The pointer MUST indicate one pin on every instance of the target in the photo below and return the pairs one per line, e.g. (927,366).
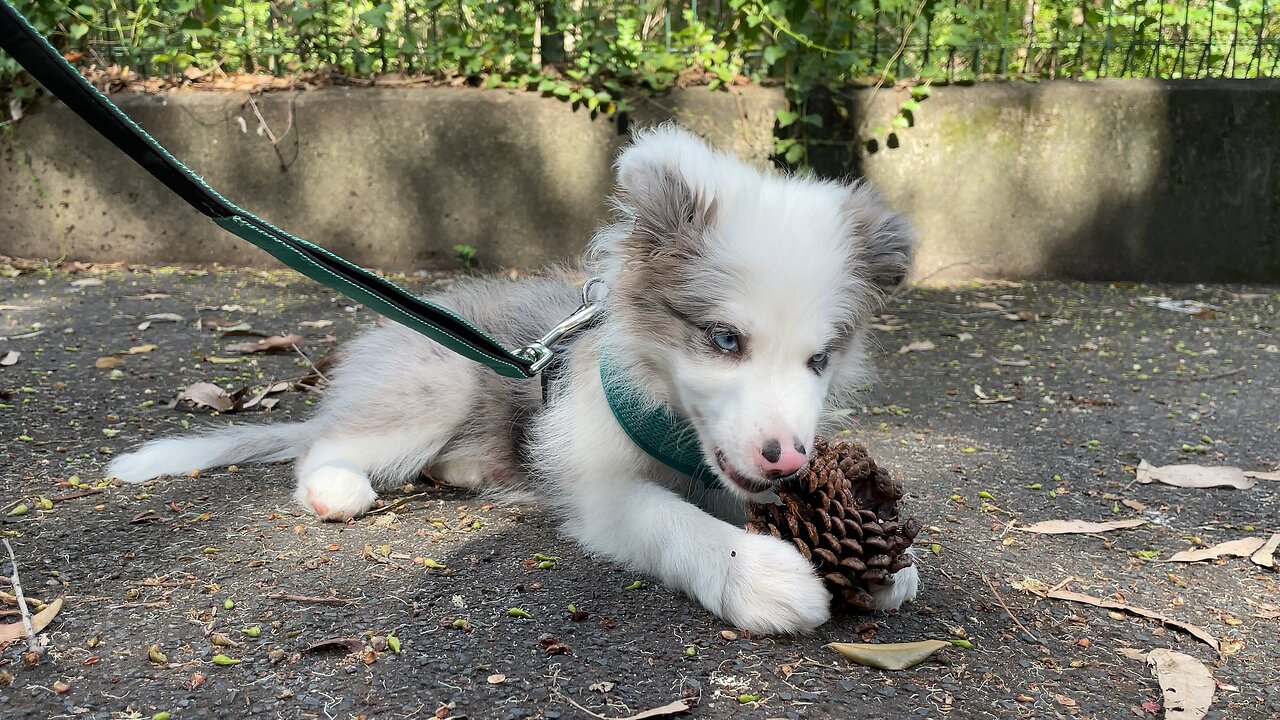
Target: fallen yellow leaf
(889,656)
(39,621)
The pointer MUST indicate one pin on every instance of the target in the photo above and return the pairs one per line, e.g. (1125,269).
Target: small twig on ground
(396,504)
(75,495)
(329,600)
(1008,611)
(574,703)
(995,593)
(1215,376)
(32,644)
(311,364)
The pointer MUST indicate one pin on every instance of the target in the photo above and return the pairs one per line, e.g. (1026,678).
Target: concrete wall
(387,178)
(1127,179)
(1115,179)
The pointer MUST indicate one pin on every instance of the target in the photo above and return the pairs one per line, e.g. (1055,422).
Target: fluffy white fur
(702,243)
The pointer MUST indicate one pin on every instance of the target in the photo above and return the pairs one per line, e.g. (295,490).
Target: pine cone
(843,515)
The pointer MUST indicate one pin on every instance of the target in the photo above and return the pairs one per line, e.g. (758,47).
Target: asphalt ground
(1026,402)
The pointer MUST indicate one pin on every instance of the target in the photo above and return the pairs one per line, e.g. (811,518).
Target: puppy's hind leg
(337,476)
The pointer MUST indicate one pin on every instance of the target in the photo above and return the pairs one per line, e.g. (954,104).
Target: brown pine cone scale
(843,515)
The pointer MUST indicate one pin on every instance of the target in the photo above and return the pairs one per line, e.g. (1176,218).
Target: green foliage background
(593,53)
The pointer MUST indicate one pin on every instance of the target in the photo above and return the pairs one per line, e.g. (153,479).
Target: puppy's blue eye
(725,340)
(818,362)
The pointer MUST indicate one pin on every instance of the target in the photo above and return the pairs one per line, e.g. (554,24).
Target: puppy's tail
(238,444)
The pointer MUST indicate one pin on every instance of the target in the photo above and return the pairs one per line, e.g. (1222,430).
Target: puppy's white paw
(906,584)
(335,493)
(771,588)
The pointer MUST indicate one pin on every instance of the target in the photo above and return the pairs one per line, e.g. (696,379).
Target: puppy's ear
(883,241)
(658,180)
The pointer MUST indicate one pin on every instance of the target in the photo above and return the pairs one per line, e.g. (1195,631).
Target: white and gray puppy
(737,297)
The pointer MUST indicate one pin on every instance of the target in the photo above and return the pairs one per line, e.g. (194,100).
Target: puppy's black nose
(772,451)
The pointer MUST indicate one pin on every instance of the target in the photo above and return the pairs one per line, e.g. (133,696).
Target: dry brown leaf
(1133,653)
(990,306)
(86,282)
(1266,611)
(148,296)
(676,708)
(1256,475)
(1134,505)
(1074,527)
(315,323)
(985,399)
(497,679)
(1186,683)
(1012,363)
(206,395)
(275,343)
(139,349)
(106,363)
(889,656)
(1243,547)
(213,323)
(39,621)
(1194,630)
(166,317)
(10,358)
(917,346)
(1195,476)
(1265,554)
(261,397)
(1250,297)
(350,644)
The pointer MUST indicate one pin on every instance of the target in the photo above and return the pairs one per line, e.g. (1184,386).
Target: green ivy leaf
(377,17)
(787,117)
(78,30)
(774,53)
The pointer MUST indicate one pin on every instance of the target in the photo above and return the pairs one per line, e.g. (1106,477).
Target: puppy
(735,298)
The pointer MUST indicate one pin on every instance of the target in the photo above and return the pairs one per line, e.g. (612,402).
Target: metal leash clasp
(539,353)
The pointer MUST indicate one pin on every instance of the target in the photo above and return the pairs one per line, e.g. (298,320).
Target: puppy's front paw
(772,589)
(906,584)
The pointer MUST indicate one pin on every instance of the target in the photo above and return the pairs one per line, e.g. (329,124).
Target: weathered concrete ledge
(1121,179)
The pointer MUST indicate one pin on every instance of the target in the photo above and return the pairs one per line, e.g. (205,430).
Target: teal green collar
(661,433)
